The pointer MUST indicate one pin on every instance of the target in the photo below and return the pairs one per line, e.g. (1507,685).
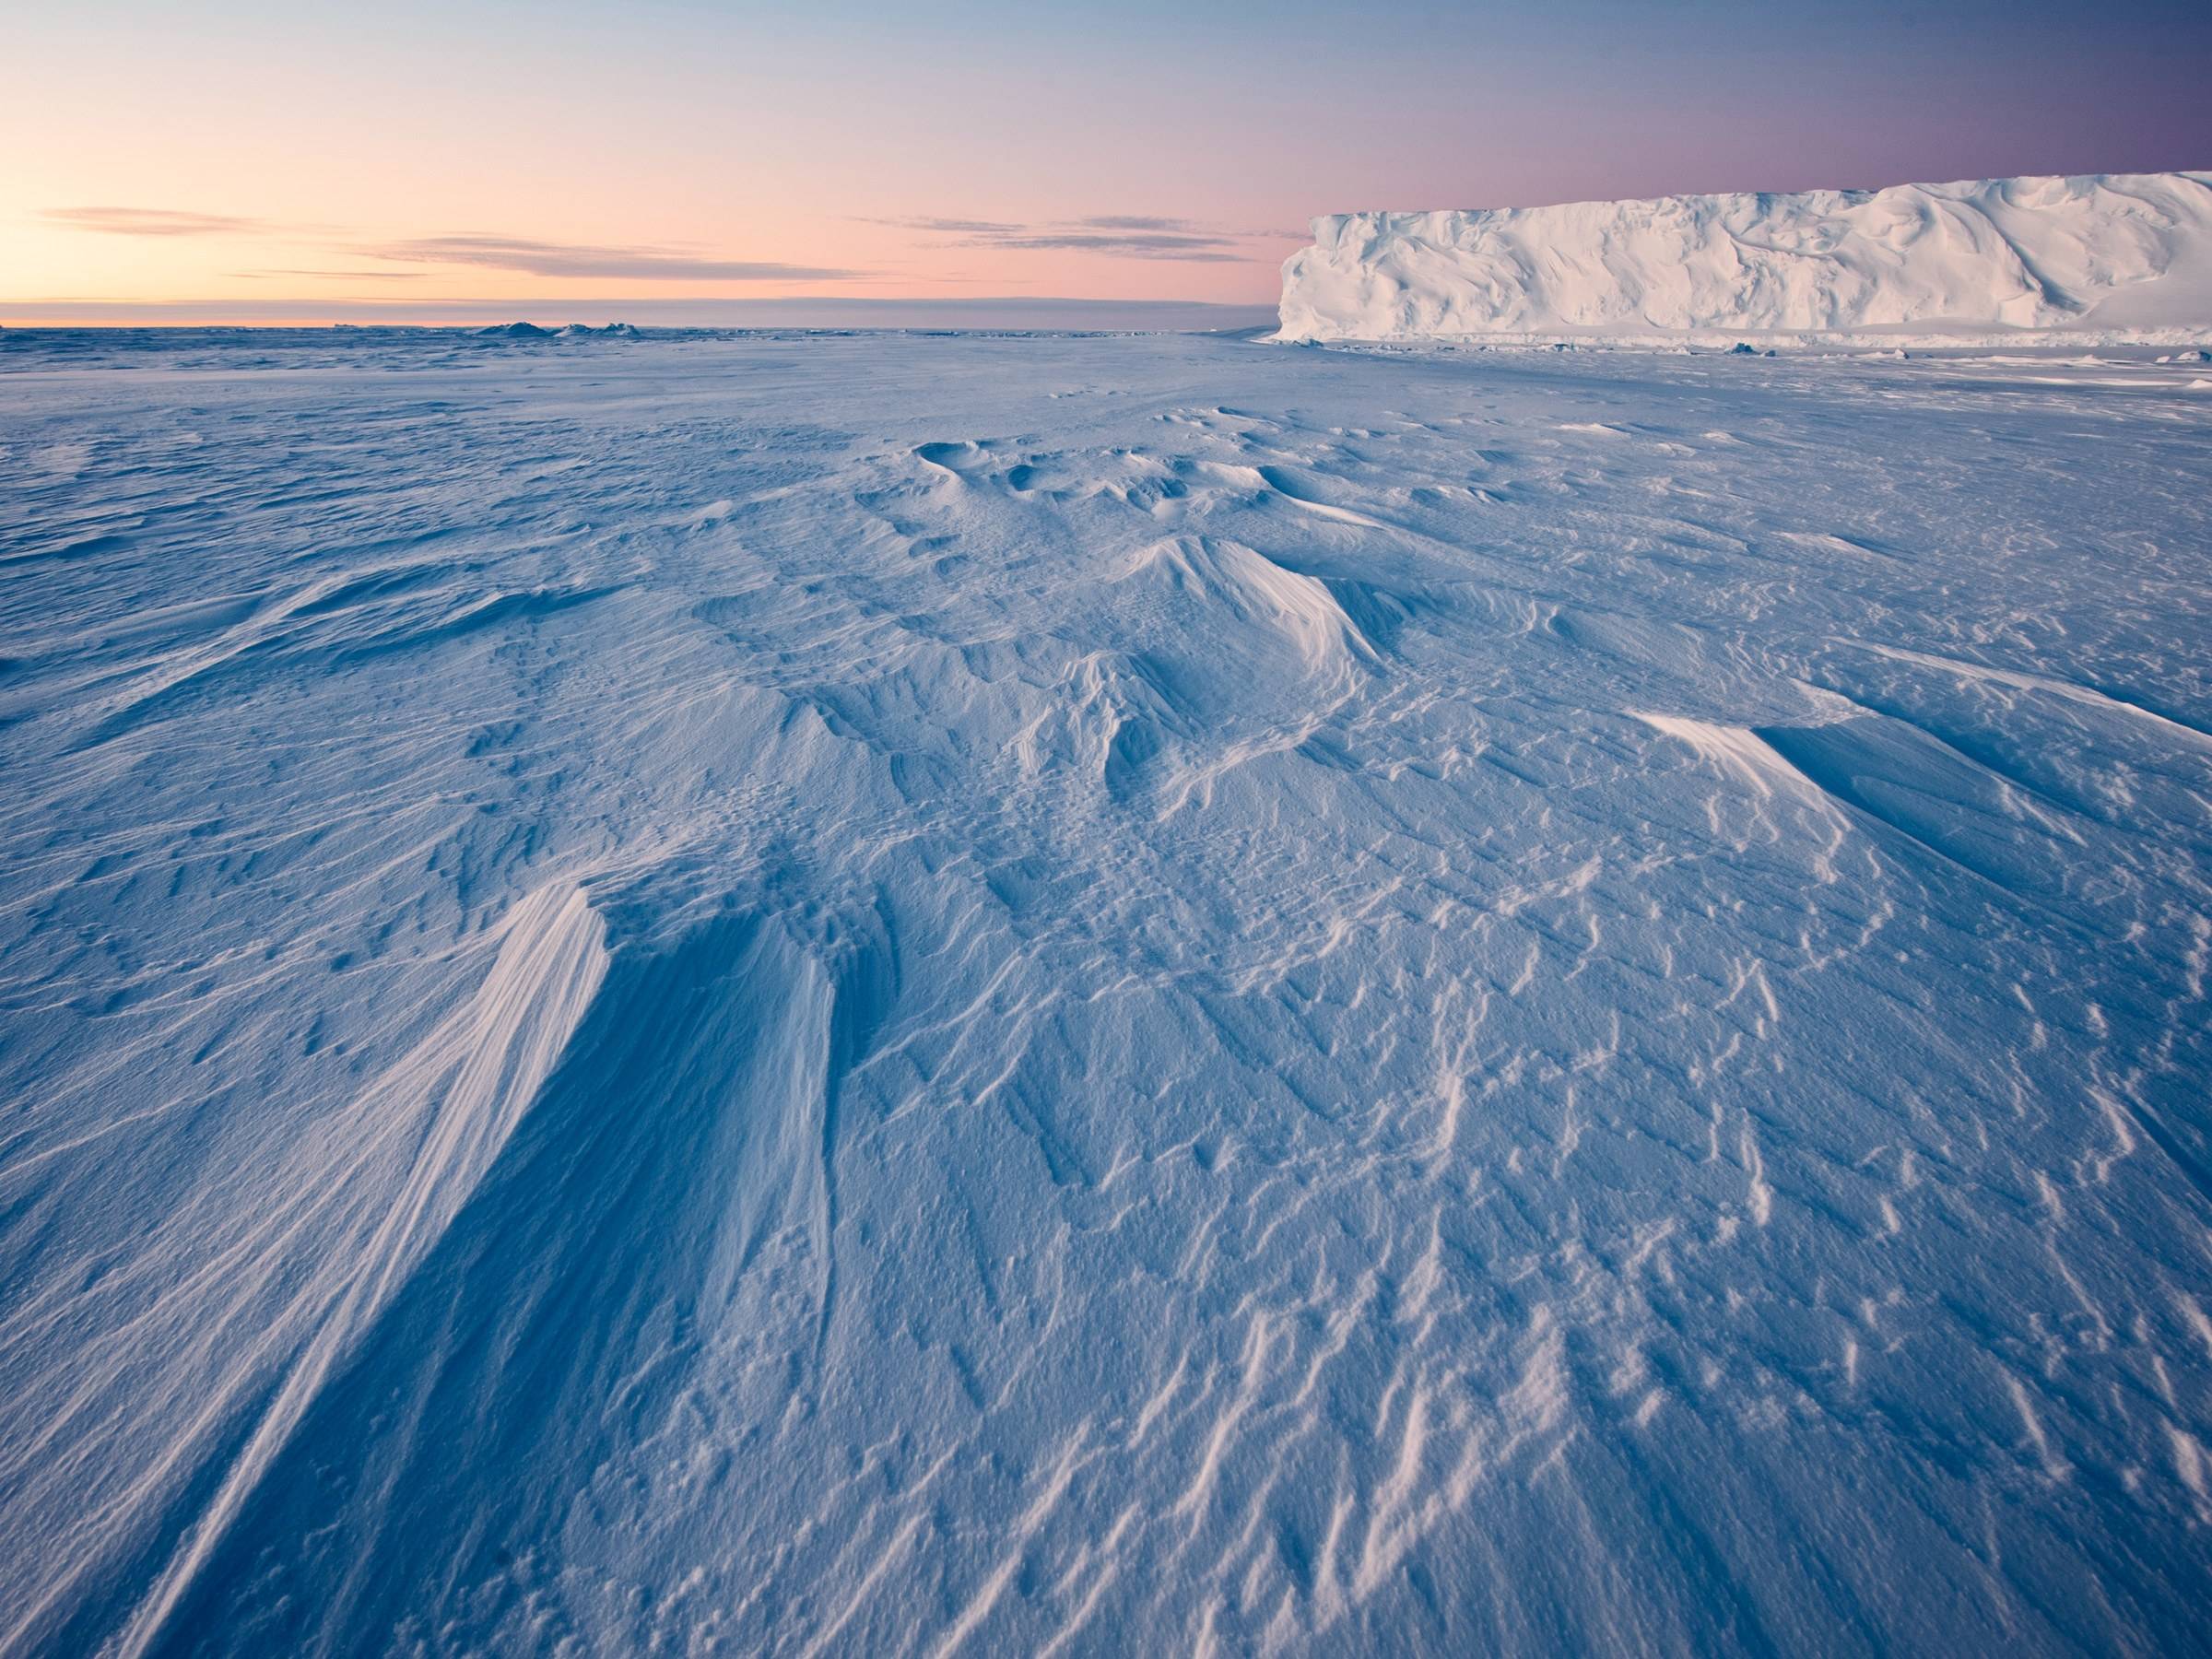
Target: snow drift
(2122,253)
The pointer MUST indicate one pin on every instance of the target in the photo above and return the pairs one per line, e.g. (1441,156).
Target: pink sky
(479,153)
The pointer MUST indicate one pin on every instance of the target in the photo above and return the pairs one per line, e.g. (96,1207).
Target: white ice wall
(2107,252)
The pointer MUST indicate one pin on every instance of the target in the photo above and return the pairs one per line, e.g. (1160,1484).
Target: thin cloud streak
(528,256)
(1137,221)
(350,275)
(567,259)
(153,221)
(948,226)
(1205,249)
(1115,235)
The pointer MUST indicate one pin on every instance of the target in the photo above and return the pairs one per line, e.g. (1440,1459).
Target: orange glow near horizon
(343,162)
(267,263)
(265,162)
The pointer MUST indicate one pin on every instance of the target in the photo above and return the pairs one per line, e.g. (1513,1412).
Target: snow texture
(2120,256)
(895,994)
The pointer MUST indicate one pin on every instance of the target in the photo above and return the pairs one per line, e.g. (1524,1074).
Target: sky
(675,161)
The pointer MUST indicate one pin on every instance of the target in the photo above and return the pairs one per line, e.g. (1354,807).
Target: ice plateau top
(2117,255)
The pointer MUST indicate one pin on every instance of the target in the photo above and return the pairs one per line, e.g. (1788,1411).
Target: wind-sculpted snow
(896,994)
(2117,255)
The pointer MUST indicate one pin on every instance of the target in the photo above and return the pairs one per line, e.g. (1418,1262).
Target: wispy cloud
(1117,235)
(573,259)
(1134,221)
(529,255)
(1138,221)
(350,275)
(949,226)
(154,222)
(1125,244)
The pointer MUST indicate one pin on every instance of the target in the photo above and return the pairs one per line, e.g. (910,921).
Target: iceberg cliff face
(2109,252)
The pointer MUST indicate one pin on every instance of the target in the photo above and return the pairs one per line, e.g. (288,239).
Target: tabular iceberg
(2118,253)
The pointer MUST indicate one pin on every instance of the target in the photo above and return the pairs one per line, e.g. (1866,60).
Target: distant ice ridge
(2116,254)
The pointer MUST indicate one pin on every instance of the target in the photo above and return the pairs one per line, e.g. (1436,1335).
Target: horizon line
(657,312)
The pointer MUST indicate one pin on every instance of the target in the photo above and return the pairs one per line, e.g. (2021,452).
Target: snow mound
(2120,252)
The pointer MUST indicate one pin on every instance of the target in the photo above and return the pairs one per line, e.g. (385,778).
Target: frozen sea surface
(1140,994)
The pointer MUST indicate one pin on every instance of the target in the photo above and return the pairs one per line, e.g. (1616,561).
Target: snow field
(846,995)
